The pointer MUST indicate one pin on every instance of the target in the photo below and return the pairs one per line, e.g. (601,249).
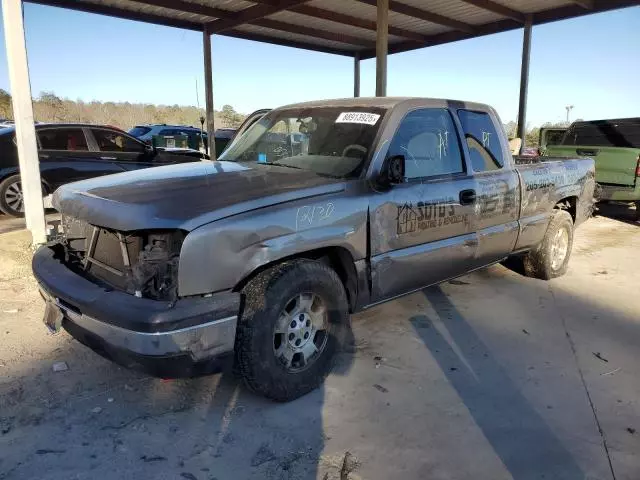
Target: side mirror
(149,149)
(392,172)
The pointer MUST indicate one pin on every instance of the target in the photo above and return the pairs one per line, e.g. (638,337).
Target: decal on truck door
(424,215)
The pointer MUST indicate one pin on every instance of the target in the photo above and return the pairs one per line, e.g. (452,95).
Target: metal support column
(23,116)
(208,92)
(524,82)
(356,75)
(382,44)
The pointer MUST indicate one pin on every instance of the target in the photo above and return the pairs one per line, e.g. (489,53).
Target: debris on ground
(96,410)
(349,464)
(188,476)
(13,310)
(611,372)
(263,455)
(154,458)
(5,426)
(524,330)
(453,369)
(60,367)
(631,430)
(339,467)
(378,359)
(110,399)
(602,272)
(599,356)
(128,387)
(46,451)
(380,387)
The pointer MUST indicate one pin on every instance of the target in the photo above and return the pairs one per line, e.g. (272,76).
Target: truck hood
(186,196)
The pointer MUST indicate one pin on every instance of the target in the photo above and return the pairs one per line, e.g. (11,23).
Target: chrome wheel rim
(13,197)
(300,334)
(559,248)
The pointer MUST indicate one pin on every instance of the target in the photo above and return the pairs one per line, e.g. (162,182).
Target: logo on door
(407,219)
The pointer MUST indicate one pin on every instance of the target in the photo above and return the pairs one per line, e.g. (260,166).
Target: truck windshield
(332,141)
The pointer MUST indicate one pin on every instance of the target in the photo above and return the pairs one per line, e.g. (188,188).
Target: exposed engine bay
(142,263)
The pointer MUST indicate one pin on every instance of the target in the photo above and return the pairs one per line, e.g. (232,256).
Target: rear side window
(482,140)
(139,131)
(111,141)
(167,131)
(70,139)
(625,134)
(427,139)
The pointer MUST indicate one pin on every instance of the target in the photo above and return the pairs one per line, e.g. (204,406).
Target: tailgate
(614,165)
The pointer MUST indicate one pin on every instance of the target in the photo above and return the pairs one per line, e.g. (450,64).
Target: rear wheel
(550,259)
(290,329)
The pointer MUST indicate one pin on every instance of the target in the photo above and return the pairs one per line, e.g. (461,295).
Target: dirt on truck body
(318,210)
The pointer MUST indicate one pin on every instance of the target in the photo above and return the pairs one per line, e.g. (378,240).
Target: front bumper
(192,330)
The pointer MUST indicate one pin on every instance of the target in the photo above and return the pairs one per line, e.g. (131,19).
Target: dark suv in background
(70,152)
(148,133)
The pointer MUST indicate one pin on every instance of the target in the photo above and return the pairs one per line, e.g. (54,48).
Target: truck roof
(390,102)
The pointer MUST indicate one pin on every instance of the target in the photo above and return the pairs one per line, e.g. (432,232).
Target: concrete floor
(492,376)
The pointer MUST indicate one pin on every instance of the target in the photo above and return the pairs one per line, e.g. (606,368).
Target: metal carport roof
(344,27)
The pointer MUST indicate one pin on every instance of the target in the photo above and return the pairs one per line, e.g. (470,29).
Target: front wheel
(290,328)
(11,198)
(550,259)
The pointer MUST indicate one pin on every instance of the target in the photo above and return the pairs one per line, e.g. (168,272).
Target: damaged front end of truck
(142,263)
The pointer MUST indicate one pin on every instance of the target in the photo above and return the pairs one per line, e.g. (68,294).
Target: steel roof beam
(121,13)
(188,7)
(498,8)
(414,12)
(250,14)
(312,32)
(588,4)
(344,19)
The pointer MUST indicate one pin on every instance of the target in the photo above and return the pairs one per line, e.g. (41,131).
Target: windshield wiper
(279,165)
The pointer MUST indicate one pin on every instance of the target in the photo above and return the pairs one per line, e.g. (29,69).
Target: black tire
(265,298)
(541,262)
(637,212)
(7,187)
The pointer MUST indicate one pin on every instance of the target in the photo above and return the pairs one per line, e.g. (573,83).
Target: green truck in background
(614,145)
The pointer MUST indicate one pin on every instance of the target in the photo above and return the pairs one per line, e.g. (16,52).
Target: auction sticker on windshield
(358,117)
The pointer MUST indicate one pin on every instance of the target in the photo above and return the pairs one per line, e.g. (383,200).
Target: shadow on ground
(517,433)
(621,212)
(98,420)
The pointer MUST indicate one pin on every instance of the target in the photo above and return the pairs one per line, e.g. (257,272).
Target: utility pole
(569,108)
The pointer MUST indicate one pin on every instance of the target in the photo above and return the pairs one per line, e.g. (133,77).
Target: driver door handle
(467,197)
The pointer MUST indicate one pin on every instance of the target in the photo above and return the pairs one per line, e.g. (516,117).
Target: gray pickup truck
(317,211)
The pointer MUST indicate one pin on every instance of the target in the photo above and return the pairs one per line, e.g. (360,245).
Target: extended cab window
(604,133)
(482,140)
(110,141)
(71,139)
(427,139)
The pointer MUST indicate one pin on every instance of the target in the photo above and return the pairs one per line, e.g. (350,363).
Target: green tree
(5,105)
(228,115)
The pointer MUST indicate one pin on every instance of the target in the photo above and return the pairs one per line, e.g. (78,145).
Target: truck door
(496,183)
(421,230)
